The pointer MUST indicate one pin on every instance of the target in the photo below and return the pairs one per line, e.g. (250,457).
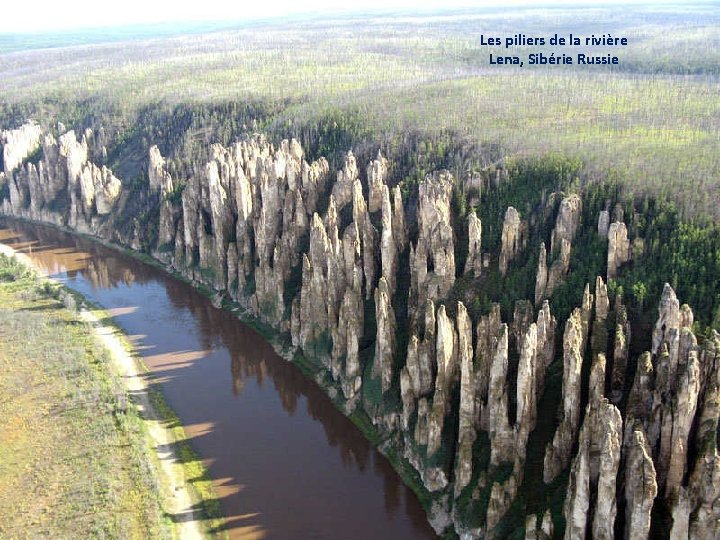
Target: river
(285,463)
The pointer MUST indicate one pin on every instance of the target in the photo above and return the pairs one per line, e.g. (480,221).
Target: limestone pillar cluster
(557,454)
(18,144)
(64,187)
(675,387)
(566,226)
(453,388)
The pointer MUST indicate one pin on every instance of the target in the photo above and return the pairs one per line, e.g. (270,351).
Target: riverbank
(67,470)
(311,369)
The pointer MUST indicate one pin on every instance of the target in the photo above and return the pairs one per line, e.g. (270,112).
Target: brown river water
(286,464)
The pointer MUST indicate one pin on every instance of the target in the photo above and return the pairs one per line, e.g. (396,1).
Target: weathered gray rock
(704,493)
(502,439)
(557,453)
(529,368)
(435,240)
(407,394)
(488,332)
(684,408)
(342,190)
(677,389)
(541,276)
(314,176)
(75,155)
(19,190)
(531,527)
(352,264)
(427,351)
(218,199)
(388,246)
(548,279)
(157,175)
(603,227)
(501,497)
(521,321)
(592,484)
(640,400)
(421,426)
(400,233)
(545,351)
(547,525)
(89,193)
(610,443)
(680,505)
(620,352)
(668,319)
(567,222)
(385,340)
(161,180)
(106,187)
(602,302)
(18,144)
(446,354)
(412,365)
(544,532)
(53,177)
(474,259)
(369,238)
(243,215)
(704,480)
(317,295)
(377,172)
(577,499)
(586,312)
(618,248)
(349,332)
(596,387)
(466,430)
(640,486)
(512,239)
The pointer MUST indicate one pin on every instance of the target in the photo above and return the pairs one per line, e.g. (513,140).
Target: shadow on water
(285,462)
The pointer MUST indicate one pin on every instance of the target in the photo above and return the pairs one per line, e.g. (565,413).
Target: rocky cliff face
(18,144)
(64,187)
(563,234)
(618,248)
(432,258)
(452,386)
(513,238)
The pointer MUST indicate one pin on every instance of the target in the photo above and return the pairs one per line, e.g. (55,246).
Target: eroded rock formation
(63,188)
(557,454)
(18,144)
(262,226)
(640,487)
(512,238)
(432,259)
(473,264)
(618,248)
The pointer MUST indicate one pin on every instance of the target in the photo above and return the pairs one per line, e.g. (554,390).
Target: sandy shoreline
(176,497)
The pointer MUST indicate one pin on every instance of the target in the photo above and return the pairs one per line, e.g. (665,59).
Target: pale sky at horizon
(45,15)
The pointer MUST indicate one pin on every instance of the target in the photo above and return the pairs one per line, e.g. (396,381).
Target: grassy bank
(76,457)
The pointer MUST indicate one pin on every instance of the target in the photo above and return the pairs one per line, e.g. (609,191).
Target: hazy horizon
(55,17)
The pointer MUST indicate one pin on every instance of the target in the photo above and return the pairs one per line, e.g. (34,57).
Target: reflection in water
(284,461)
